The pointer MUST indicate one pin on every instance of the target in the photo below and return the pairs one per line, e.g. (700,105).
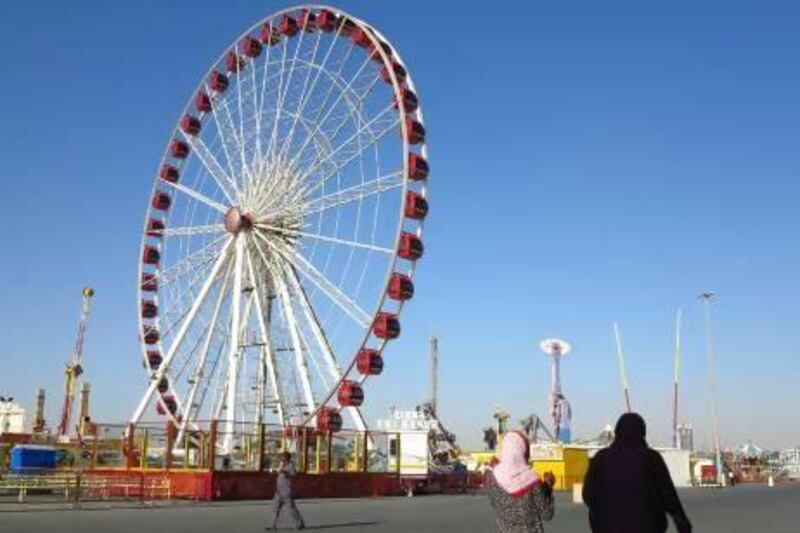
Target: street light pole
(712,382)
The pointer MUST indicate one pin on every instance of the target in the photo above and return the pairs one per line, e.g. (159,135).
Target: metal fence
(114,462)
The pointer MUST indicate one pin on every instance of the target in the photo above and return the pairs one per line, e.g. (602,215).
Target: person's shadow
(343,524)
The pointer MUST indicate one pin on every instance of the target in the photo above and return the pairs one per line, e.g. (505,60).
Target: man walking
(283,492)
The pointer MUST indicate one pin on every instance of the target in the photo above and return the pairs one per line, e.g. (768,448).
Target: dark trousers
(288,501)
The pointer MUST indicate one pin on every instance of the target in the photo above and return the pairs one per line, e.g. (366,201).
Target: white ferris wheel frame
(284,275)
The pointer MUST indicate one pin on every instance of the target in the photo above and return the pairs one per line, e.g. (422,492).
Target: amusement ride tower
(560,409)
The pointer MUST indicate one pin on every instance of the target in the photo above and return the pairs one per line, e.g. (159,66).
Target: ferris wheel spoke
(267,352)
(349,157)
(172,318)
(246,177)
(306,95)
(311,318)
(197,375)
(355,104)
(256,107)
(193,230)
(332,106)
(164,367)
(300,360)
(329,358)
(233,354)
(355,193)
(192,261)
(211,164)
(325,238)
(352,309)
(282,92)
(225,138)
(238,147)
(313,134)
(198,196)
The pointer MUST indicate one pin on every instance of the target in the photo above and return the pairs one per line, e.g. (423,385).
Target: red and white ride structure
(560,409)
(283,229)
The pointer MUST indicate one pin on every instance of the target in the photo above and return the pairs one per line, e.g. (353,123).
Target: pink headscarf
(513,473)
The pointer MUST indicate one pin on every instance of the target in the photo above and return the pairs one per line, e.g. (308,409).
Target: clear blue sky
(592,162)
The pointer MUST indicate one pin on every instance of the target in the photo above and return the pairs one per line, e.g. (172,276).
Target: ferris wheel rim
(377,38)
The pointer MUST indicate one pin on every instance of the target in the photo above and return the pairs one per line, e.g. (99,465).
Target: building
(12,417)
(685,437)
(790,462)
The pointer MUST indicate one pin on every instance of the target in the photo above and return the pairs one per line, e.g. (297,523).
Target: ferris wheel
(283,228)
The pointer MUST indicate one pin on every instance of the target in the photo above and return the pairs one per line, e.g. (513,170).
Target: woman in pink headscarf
(520,499)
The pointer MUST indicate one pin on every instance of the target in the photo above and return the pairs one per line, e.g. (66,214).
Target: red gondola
(163,385)
(161,201)
(155,227)
(326,20)
(288,26)
(178,149)
(399,72)
(409,99)
(386,326)
(154,359)
(410,247)
(218,81)
(375,55)
(350,394)
(329,419)
(269,34)
(307,21)
(202,102)
(416,206)
(149,282)
(400,287)
(346,26)
(149,309)
(369,362)
(251,47)
(171,405)
(233,62)
(415,131)
(169,173)
(190,125)
(151,336)
(151,255)
(360,37)
(417,167)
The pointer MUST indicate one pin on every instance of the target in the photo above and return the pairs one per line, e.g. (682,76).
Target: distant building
(12,417)
(685,437)
(790,462)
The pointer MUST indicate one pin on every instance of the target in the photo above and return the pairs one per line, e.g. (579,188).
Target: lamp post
(706,297)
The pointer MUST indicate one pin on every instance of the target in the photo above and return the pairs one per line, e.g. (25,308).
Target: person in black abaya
(628,488)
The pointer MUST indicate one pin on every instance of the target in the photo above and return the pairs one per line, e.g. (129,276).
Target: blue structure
(28,457)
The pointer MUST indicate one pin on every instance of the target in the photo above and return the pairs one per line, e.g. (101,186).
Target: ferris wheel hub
(236,221)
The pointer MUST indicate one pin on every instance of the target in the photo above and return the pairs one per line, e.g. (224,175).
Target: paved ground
(741,509)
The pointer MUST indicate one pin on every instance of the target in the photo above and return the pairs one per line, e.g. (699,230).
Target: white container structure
(678,464)
(12,417)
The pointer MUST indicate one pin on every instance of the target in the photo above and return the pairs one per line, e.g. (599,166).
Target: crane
(73,368)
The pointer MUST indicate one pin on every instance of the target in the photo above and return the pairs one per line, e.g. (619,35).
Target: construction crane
(74,369)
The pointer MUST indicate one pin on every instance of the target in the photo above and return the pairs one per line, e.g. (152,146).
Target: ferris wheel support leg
(198,373)
(233,354)
(162,369)
(266,353)
(322,341)
(300,360)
